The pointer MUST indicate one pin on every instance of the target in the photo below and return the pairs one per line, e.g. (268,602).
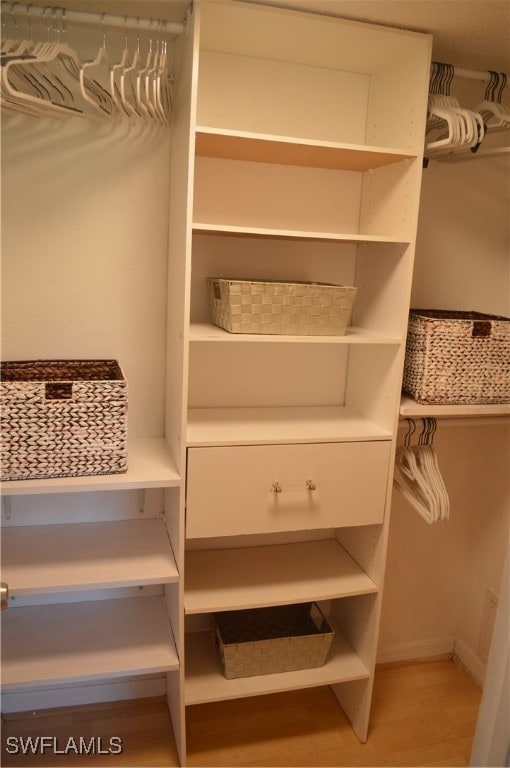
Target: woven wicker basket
(268,306)
(457,358)
(263,641)
(63,418)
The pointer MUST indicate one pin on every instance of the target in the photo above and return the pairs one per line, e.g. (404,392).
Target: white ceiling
(474,34)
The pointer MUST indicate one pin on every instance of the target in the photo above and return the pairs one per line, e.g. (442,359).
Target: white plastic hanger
(126,82)
(118,69)
(420,480)
(459,128)
(95,80)
(495,116)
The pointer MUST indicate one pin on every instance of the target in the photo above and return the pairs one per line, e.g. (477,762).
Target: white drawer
(231,490)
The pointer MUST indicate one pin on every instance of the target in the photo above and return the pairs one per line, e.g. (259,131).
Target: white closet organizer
(296,153)
(94,564)
(304,163)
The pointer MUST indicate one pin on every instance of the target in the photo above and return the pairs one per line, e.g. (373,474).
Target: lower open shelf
(251,577)
(256,426)
(56,558)
(205,681)
(48,645)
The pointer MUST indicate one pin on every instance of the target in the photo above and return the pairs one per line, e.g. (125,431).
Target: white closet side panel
(396,112)
(181,196)
(84,255)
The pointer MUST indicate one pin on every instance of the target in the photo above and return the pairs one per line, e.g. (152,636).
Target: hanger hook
(501,86)
(411,427)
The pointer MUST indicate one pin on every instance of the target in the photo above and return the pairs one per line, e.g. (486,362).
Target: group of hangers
(49,79)
(452,128)
(420,480)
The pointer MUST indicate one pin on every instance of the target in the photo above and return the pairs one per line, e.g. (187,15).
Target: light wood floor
(422,715)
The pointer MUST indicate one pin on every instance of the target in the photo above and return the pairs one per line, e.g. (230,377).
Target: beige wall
(438,576)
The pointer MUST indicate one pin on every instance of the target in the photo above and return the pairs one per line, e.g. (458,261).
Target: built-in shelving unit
(295,155)
(94,563)
(279,427)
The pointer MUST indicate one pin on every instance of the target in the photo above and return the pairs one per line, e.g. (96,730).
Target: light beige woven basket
(263,641)
(272,307)
(63,418)
(457,358)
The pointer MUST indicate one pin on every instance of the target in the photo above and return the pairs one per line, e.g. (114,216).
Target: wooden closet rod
(58,14)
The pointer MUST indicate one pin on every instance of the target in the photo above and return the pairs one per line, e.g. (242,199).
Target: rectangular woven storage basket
(457,357)
(263,641)
(269,306)
(63,418)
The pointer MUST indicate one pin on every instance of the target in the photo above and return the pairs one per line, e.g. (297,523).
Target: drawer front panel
(274,488)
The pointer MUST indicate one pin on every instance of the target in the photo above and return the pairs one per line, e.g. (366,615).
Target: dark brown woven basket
(63,418)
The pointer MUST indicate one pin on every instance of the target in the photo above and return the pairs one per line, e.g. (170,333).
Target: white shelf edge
(304,142)
(409,407)
(206,332)
(40,559)
(87,641)
(205,682)
(150,465)
(219,580)
(291,234)
(286,425)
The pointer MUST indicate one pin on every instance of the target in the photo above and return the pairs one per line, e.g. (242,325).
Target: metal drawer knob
(4,591)
(276,488)
(311,485)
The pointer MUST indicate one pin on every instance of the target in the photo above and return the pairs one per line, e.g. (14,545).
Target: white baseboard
(447,646)
(471,660)
(416,650)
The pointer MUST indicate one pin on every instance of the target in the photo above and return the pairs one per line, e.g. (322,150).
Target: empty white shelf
(214,228)
(257,426)
(266,148)
(205,680)
(150,464)
(251,577)
(89,641)
(40,559)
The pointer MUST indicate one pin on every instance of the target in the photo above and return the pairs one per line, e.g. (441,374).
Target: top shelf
(283,150)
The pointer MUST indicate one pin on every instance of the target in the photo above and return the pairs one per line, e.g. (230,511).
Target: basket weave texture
(63,418)
(457,358)
(263,641)
(269,306)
